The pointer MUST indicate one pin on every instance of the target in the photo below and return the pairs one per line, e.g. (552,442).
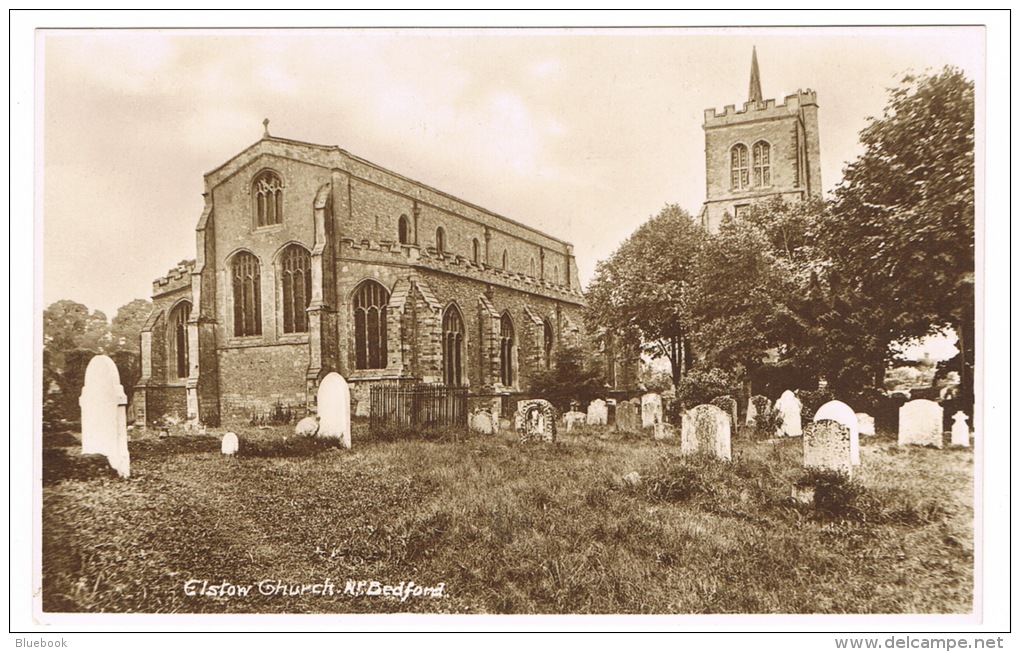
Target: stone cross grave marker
(789,407)
(334,405)
(866,423)
(827,446)
(706,429)
(229,445)
(961,433)
(104,415)
(842,413)
(598,413)
(921,424)
(628,417)
(651,410)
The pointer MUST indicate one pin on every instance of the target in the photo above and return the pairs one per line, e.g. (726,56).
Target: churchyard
(601,520)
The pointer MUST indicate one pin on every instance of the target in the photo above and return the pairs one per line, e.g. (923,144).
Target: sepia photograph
(469,322)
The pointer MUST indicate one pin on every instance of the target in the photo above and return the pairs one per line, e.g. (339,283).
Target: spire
(754,94)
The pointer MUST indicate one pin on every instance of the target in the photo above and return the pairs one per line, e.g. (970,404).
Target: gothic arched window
(177,337)
(453,346)
(296,288)
(762,165)
(247,279)
(476,251)
(267,191)
(370,301)
(506,350)
(738,167)
(403,230)
(547,343)
(440,241)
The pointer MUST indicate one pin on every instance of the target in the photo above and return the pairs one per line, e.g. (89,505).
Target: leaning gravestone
(961,433)
(706,429)
(104,415)
(827,446)
(866,423)
(842,413)
(536,421)
(729,406)
(651,410)
(789,406)
(598,413)
(334,405)
(574,419)
(921,424)
(229,445)
(628,418)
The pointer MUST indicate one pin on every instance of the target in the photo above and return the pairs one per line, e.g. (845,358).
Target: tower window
(296,282)
(403,230)
(506,350)
(440,241)
(739,177)
(453,346)
(178,339)
(761,164)
(267,190)
(370,301)
(247,277)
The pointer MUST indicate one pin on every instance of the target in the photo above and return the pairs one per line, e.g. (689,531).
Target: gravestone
(789,407)
(536,421)
(663,431)
(306,427)
(229,445)
(728,405)
(574,419)
(827,446)
(706,429)
(921,424)
(842,413)
(628,418)
(598,414)
(866,422)
(751,418)
(334,405)
(758,408)
(651,410)
(104,415)
(961,433)
(482,421)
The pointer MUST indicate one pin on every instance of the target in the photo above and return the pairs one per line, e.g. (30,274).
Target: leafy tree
(644,288)
(127,325)
(68,325)
(901,229)
(573,376)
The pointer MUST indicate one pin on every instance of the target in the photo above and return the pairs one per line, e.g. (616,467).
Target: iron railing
(417,404)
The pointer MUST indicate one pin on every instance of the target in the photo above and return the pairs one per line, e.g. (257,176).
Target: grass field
(503,527)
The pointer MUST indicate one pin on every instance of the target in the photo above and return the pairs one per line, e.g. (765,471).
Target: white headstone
(574,419)
(840,412)
(229,445)
(788,406)
(598,413)
(334,405)
(752,412)
(706,429)
(306,427)
(651,410)
(482,421)
(961,433)
(921,423)
(866,422)
(104,415)
(827,445)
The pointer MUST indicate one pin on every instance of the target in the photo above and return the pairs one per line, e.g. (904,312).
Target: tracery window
(453,346)
(762,165)
(506,350)
(247,279)
(739,177)
(267,190)
(296,288)
(547,343)
(178,339)
(370,301)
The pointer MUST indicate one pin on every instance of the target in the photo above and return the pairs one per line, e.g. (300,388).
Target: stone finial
(265,125)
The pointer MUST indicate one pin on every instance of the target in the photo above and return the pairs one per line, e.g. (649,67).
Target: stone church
(760,152)
(311,260)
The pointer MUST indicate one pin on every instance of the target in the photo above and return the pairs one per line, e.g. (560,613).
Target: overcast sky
(582,133)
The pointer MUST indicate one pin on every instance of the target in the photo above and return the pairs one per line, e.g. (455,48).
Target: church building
(311,260)
(760,152)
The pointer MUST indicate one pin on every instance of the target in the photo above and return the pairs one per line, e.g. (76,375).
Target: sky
(583,133)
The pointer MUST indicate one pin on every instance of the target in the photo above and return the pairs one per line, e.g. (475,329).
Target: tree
(127,325)
(574,376)
(901,229)
(68,325)
(644,288)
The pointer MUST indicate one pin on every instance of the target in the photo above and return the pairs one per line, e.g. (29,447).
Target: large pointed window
(370,301)
(453,346)
(506,350)
(547,343)
(267,193)
(247,280)
(177,337)
(762,166)
(296,288)
(739,176)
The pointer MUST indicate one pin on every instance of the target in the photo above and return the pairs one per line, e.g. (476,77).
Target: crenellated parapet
(765,110)
(177,278)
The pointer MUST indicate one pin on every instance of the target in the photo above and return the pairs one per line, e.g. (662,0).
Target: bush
(700,386)
(811,400)
(837,496)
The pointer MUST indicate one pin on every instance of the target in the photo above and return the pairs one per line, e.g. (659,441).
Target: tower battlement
(175,279)
(764,110)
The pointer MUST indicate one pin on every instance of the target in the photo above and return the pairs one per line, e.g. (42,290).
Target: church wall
(255,379)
